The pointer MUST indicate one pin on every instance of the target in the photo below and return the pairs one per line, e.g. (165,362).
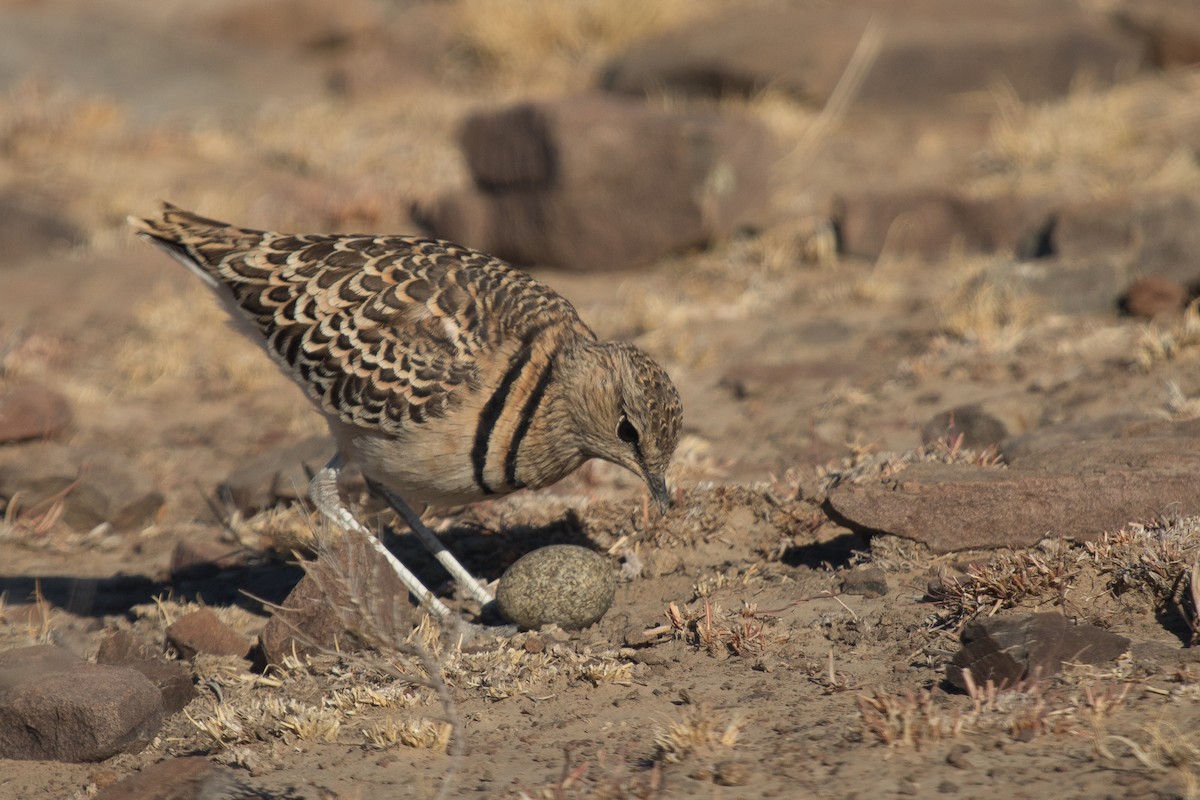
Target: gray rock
(1007,650)
(1155,233)
(93,486)
(977,427)
(866,581)
(1170,29)
(32,225)
(54,707)
(565,585)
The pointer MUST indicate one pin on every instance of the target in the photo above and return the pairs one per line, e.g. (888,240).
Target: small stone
(202,632)
(870,582)
(566,585)
(103,778)
(54,707)
(1153,296)
(32,412)
(978,428)
(957,757)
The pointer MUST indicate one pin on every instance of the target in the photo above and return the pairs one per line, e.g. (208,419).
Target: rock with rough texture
(593,182)
(1077,491)
(173,679)
(865,581)
(930,54)
(32,412)
(935,223)
(281,473)
(187,778)
(1007,650)
(54,707)
(202,632)
(565,585)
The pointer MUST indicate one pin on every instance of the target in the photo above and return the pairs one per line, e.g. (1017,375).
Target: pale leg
(431,541)
(323,490)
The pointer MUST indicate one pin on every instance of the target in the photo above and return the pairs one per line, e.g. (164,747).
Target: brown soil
(731,664)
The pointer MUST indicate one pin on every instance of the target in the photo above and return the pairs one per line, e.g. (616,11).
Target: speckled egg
(563,584)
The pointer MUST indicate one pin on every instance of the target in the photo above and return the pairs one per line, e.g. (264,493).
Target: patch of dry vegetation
(864,465)
(1092,142)
(985,309)
(745,633)
(1170,339)
(1160,747)
(918,718)
(700,733)
(552,45)
(1158,562)
(1045,574)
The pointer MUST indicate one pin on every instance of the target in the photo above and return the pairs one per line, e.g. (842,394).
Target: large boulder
(593,183)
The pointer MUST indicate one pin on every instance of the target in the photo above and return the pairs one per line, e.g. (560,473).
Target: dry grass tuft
(701,733)
(423,734)
(985,310)
(556,44)
(910,719)
(1170,339)
(703,625)
(1161,561)
(1045,574)
(1096,141)
(863,465)
(1161,748)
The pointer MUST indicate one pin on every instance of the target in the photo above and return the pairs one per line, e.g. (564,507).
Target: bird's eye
(626,432)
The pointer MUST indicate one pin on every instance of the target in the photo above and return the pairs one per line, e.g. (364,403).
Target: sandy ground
(732,663)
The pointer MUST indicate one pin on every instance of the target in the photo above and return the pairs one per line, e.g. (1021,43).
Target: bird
(446,375)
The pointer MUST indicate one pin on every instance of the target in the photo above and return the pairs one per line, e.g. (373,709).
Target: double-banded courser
(446,375)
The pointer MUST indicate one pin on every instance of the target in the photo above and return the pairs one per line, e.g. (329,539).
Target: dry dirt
(732,663)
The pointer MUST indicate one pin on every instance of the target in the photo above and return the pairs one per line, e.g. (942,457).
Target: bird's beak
(658,490)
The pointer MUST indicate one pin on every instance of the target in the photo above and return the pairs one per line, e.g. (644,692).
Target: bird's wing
(380,331)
